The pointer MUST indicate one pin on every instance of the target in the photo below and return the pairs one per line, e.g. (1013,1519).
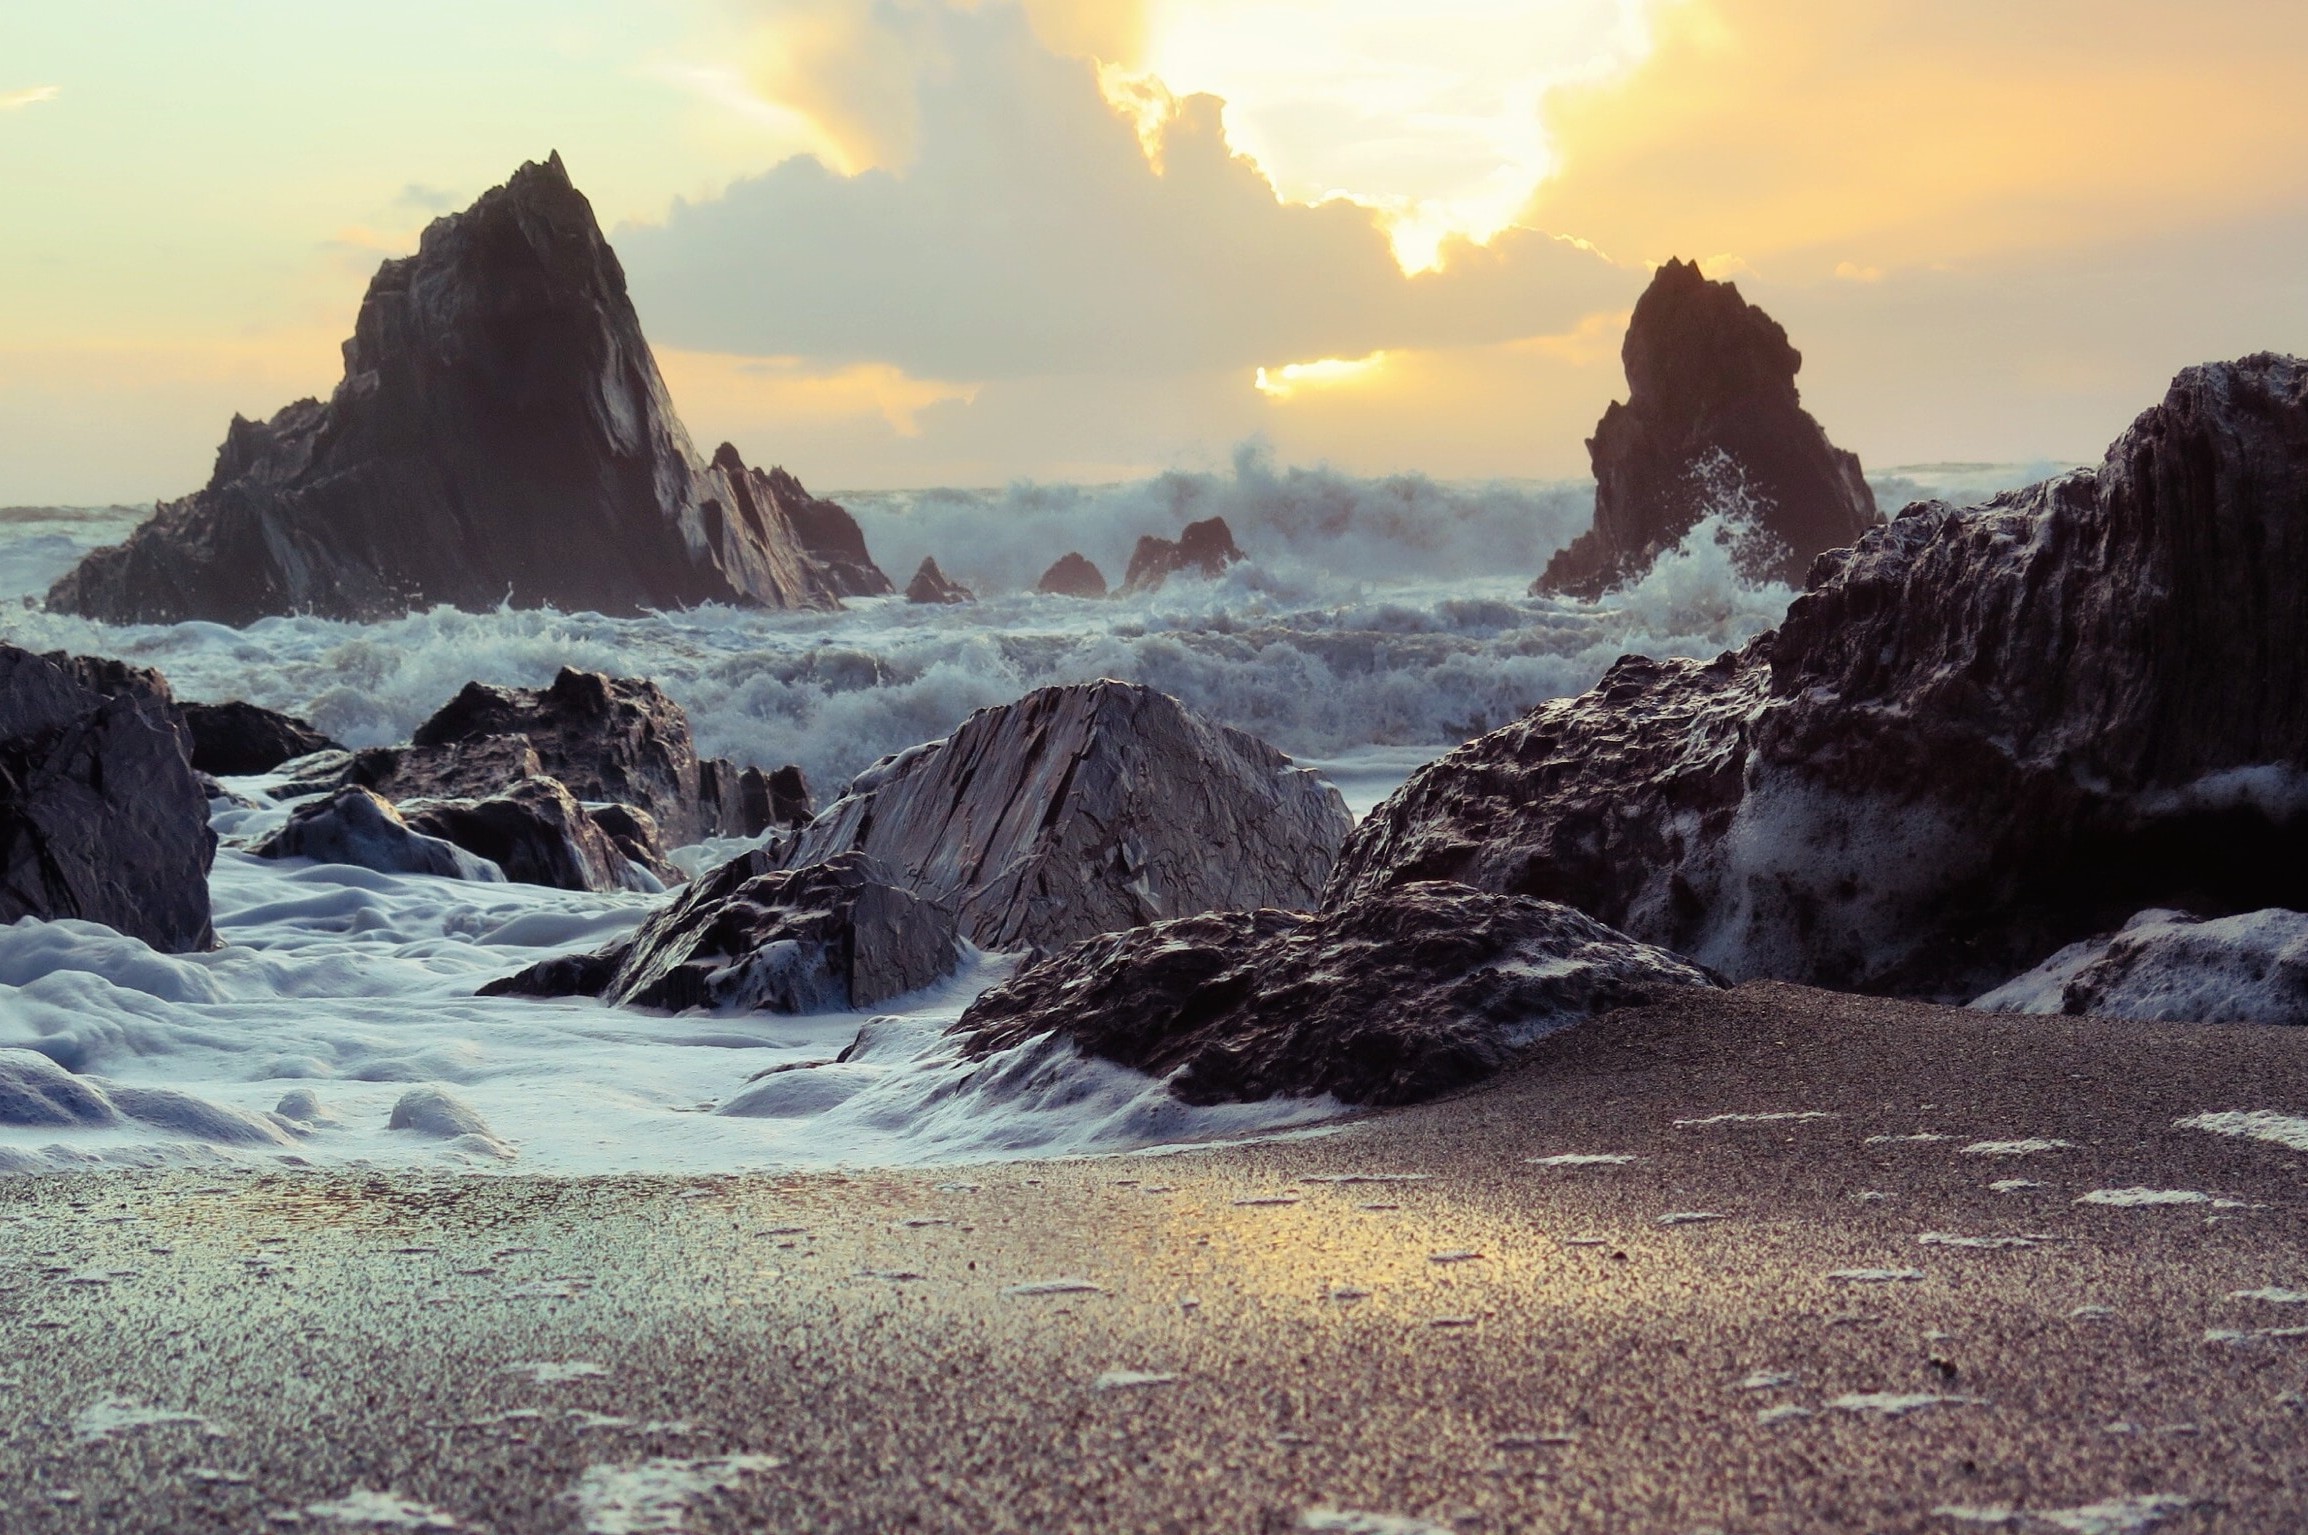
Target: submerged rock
(101,814)
(930,586)
(830,937)
(538,834)
(1072,576)
(501,434)
(1712,422)
(237,738)
(356,826)
(1982,734)
(2167,965)
(1204,548)
(1083,809)
(1410,993)
(610,739)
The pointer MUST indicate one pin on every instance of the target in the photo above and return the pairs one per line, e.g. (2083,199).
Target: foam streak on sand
(653,1497)
(2287,1130)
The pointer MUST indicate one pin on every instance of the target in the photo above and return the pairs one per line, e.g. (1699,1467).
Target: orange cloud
(1889,133)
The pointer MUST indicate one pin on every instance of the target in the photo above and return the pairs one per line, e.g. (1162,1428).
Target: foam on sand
(1893,1404)
(2287,1130)
(2143,1198)
(367,1508)
(1775,1117)
(653,1497)
(2033,1146)
(1583,1159)
(1876,1276)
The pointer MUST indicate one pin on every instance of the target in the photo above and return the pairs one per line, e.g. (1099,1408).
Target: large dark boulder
(101,815)
(356,827)
(1072,576)
(1981,735)
(501,434)
(930,587)
(750,936)
(613,739)
(237,738)
(1083,809)
(1413,992)
(539,835)
(1202,548)
(1712,422)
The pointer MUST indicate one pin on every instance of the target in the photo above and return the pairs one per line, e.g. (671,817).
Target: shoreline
(369,1332)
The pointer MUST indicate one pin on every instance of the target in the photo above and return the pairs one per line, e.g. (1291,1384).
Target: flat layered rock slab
(747,1344)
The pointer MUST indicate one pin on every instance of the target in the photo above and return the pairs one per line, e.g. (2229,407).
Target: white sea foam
(2287,1130)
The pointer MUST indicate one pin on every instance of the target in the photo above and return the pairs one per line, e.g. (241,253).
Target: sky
(912,242)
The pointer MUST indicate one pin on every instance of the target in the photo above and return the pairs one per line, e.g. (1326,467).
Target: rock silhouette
(1083,809)
(1414,991)
(101,815)
(1980,735)
(538,834)
(501,434)
(1205,548)
(1072,576)
(930,586)
(358,827)
(238,738)
(1712,422)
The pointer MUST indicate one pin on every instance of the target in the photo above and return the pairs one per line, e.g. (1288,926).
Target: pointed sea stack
(930,586)
(1205,548)
(1072,576)
(1712,419)
(501,434)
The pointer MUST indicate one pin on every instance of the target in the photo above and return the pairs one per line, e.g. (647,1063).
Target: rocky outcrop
(469,769)
(1415,991)
(2168,965)
(501,434)
(101,815)
(781,798)
(1080,810)
(613,739)
(930,585)
(354,826)
(1979,736)
(1712,423)
(634,833)
(539,835)
(1072,576)
(238,738)
(1203,548)
(829,535)
(831,937)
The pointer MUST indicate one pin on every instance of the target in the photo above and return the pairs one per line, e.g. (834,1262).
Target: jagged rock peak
(1983,733)
(1205,548)
(1072,576)
(501,434)
(1712,422)
(829,536)
(930,587)
(1082,809)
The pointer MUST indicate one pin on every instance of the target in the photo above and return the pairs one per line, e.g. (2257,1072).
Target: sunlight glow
(1324,373)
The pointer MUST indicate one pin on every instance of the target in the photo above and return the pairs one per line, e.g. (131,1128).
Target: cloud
(1027,234)
(11,101)
(427,199)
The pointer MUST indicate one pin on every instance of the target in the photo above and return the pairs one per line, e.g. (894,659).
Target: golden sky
(917,241)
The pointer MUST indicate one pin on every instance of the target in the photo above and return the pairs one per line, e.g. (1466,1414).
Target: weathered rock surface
(1415,991)
(237,738)
(1080,810)
(1712,422)
(780,798)
(1979,736)
(930,585)
(501,434)
(469,769)
(538,834)
(613,739)
(633,832)
(1072,576)
(1204,548)
(828,534)
(355,826)
(750,936)
(2167,965)
(101,815)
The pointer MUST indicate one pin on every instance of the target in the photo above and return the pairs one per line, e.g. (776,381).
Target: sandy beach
(1405,1318)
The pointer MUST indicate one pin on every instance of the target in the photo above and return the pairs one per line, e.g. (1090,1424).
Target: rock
(470,769)
(1204,548)
(1080,810)
(2169,966)
(930,585)
(829,535)
(538,834)
(1413,992)
(237,738)
(501,434)
(633,831)
(1981,735)
(109,678)
(1072,576)
(1712,422)
(611,740)
(831,937)
(355,826)
(101,815)
(781,798)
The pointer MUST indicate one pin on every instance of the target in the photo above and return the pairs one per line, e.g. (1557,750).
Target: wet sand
(1468,1341)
